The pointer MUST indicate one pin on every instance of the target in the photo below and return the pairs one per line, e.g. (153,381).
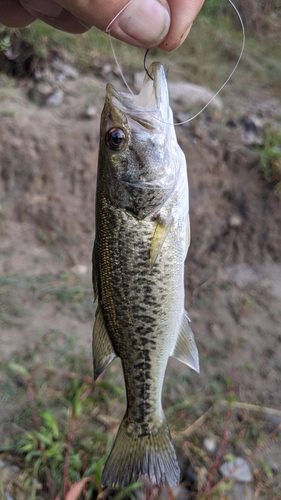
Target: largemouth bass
(142,238)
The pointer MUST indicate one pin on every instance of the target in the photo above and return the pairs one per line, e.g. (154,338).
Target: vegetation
(65,423)
(270,159)
(65,426)
(66,289)
(208,55)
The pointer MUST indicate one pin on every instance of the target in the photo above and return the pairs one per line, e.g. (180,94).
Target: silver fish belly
(142,237)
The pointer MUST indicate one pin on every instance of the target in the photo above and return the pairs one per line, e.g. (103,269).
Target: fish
(141,242)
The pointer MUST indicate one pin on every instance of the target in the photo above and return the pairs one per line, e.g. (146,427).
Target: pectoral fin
(185,349)
(103,352)
(159,236)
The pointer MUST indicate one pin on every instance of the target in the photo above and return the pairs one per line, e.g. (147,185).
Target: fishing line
(109,28)
(232,72)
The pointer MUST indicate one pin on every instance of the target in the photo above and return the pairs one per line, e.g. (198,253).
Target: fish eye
(115,139)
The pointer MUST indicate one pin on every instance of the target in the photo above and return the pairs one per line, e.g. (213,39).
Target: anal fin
(185,349)
(103,352)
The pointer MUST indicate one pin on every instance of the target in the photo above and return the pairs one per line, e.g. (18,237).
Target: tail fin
(137,453)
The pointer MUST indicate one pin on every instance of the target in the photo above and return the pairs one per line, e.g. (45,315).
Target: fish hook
(144,65)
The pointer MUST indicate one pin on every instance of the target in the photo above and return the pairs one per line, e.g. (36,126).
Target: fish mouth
(154,91)
(153,97)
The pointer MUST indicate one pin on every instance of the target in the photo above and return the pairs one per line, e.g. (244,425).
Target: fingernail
(46,7)
(146,21)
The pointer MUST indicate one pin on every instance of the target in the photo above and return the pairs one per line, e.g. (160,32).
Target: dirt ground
(48,162)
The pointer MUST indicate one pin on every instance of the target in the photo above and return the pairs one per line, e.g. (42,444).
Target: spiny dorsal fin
(185,349)
(103,352)
(159,236)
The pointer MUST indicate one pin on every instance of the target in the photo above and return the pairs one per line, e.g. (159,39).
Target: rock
(190,94)
(238,469)
(243,491)
(235,220)
(55,99)
(65,70)
(40,92)
(107,69)
(44,75)
(80,269)
(185,93)
(253,133)
(90,113)
(69,71)
(210,445)
(178,492)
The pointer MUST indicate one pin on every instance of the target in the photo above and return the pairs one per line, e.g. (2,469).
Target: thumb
(142,23)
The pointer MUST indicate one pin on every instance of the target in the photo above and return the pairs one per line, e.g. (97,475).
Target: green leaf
(267,469)
(51,422)
(44,438)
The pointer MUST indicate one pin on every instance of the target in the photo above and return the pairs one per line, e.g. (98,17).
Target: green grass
(67,423)
(270,159)
(11,308)
(207,56)
(65,289)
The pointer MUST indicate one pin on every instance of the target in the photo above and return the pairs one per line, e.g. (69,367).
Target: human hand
(143,23)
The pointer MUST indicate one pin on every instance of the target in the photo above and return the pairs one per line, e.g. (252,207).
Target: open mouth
(153,96)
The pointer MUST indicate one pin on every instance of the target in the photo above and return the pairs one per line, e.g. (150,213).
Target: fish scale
(120,299)
(142,236)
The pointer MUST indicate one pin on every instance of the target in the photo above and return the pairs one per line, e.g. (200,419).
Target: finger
(143,23)
(12,14)
(183,13)
(55,15)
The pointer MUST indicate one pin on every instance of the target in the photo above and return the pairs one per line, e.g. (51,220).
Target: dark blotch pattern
(138,305)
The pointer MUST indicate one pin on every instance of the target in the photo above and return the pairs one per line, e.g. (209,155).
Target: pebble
(64,69)
(80,269)
(238,469)
(40,92)
(107,69)
(243,492)
(55,99)
(177,492)
(235,220)
(210,444)
(253,133)
(90,113)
